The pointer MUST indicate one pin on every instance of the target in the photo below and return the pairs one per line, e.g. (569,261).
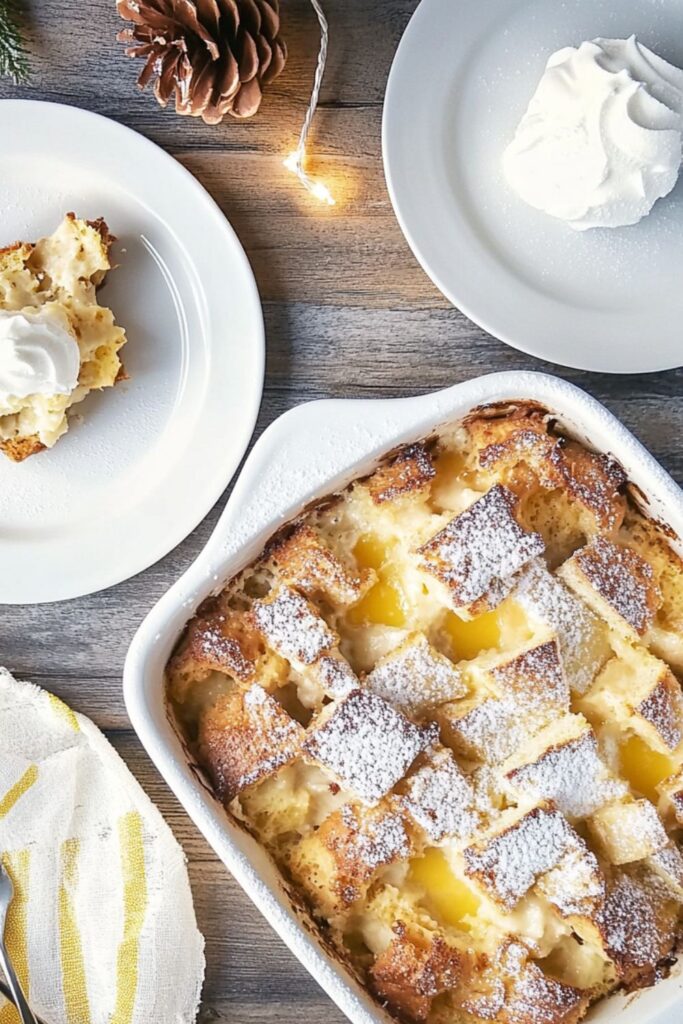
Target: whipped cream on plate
(38,354)
(600,141)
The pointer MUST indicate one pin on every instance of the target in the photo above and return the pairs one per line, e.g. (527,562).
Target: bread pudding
(446,700)
(56,342)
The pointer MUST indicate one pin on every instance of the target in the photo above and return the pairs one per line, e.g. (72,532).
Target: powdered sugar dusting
(536,676)
(509,863)
(576,886)
(570,774)
(477,552)
(374,841)
(368,744)
(335,675)
(580,634)
(663,708)
(441,799)
(292,627)
(415,677)
(493,730)
(623,579)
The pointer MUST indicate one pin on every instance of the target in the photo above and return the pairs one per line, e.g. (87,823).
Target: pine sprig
(13,57)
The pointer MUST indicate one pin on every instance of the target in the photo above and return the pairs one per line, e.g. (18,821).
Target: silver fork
(18,997)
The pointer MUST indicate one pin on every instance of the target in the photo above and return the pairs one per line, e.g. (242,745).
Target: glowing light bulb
(294,163)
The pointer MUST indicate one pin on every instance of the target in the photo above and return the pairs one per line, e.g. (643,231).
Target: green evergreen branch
(13,57)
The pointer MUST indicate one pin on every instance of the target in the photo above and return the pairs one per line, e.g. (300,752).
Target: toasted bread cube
(415,677)
(440,798)
(670,805)
(535,996)
(244,737)
(487,731)
(409,471)
(594,481)
(576,886)
(642,695)
(583,638)
(512,989)
(561,763)
(416,967)
(477,554)
(366,743)
(520,846)
(292,626)
(334,675)
(638,928)
(533,675)
(628,831)
(336,863)
(616,583)
(307,563)
(218,639)
(666,867)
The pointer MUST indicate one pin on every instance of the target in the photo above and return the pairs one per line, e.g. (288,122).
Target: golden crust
(617,583)
(523,449)
(410,471)
(414,969)
(19,448)
(244,737)
(304,561)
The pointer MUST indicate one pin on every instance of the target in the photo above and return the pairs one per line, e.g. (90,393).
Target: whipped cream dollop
(38,354)
(601,139)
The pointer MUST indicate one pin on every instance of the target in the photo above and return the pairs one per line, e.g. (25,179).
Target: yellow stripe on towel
(64,712)
(18,789)
(134,908)
(17,866)
(74,985)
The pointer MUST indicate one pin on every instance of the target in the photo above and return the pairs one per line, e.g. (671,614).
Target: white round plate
(609,300)
(143,462)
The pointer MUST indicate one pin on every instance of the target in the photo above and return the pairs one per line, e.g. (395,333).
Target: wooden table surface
(348,312)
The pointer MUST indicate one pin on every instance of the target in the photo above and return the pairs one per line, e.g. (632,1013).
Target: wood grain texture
(348,312)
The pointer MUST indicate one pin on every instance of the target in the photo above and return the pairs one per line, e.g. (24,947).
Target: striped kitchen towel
(102,927)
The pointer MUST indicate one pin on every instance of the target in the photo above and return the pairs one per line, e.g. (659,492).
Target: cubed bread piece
(576,886)
(561,763)
(638,928)
(628,831)
(304,561)
(244,737)
(334,675)
(520,846)
(218,639)
(533,675)
(440,798)
(616,583)
(409,471)
(583,638)
(416,967)
(487,731)
(415,677)
(510,988)
(477,554)
(666,867)
(592,480)
(293,627)
(366,743)
(665,638)
(336,863)
(641,694)
(670,805)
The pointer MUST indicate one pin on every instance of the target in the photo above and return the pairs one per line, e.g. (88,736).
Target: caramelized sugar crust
(447,701)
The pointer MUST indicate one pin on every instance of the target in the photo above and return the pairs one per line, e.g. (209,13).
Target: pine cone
(213,55)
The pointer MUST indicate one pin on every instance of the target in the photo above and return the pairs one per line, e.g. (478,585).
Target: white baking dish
(309,452)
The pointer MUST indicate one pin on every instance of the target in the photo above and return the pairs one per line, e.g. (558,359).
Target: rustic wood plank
(348,312)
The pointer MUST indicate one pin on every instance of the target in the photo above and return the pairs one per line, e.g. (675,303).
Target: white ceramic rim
(309,452)
(79,567)
(464,268)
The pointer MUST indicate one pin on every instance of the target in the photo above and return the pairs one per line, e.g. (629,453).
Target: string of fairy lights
(296,160)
